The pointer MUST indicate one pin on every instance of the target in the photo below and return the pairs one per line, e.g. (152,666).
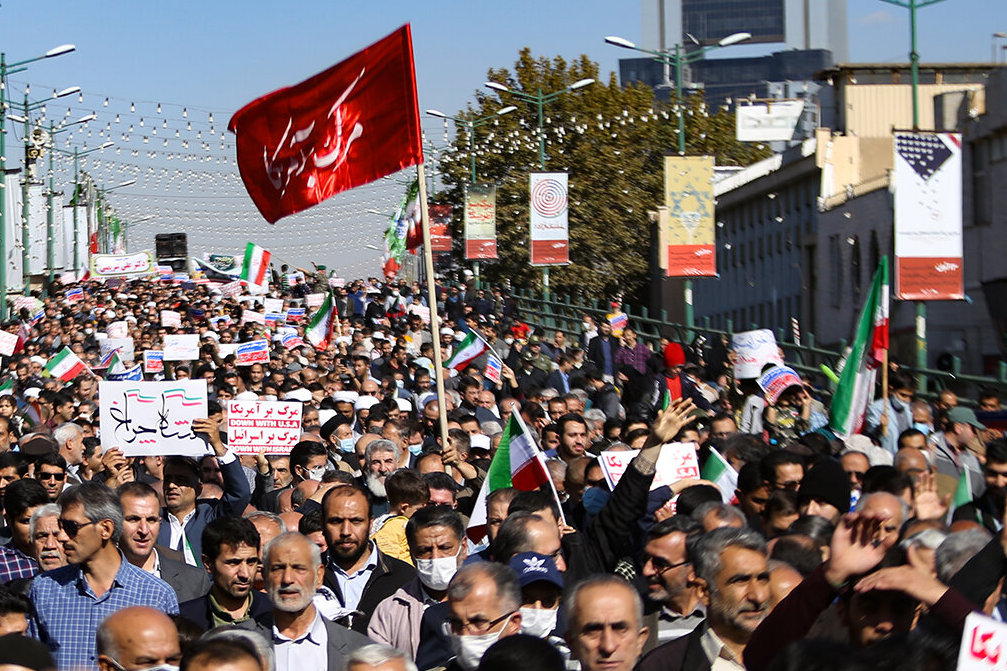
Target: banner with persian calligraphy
(255,425)
(480,223)
(677,461)
(123,265)
(686,230)
(152,418)
(928,217)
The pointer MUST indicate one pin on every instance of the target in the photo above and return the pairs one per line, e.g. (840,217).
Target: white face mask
(316,473)
(538,622)
(470,649)
(436,573)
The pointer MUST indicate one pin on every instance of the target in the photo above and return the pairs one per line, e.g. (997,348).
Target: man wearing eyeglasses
(671,580)
(98,581)
(484,600)
(138,639)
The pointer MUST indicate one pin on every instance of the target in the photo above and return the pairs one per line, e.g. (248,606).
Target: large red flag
(352,124)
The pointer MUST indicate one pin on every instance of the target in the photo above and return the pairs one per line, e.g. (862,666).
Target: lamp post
(102,233)
(540,100)
(76,153)
(679,59)
(914,67)
(27,108)
(8,69)
(50,259)
(471,125)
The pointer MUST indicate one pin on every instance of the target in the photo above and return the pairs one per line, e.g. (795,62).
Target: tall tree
(611,140)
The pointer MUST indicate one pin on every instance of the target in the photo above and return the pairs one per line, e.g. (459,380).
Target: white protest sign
(231,289)
(314,300)
(677,461)
(422,311)
(249,317)
(181,347)
(153,361)
(253,425)
(753,350)
(152,418)
(8,341)
(171,318)
(226,348)
(984,644)
(272,305)
(117,330)
(124,345)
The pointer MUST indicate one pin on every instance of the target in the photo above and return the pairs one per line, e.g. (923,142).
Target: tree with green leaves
(612,142)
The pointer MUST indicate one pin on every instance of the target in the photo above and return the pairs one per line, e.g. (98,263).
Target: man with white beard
(302,638)
(381,457)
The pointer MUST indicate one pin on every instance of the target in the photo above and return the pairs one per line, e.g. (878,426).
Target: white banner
(549,208)
(181,347)
(254,425)
(768,122)
(677,461)
(928,216)
(753,350)
(152,418)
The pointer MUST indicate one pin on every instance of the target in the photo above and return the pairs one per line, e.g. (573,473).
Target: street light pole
(471,125)
(914,67)
(540,99)
(679,61)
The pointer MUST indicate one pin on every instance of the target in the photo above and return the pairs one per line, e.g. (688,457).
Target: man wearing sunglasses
(71,601)
(50,470)
(671,580)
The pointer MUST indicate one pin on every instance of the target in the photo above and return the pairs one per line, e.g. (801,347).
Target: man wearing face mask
(988,509)
(541,595)
(886,420)
(484,603)
(436,538)
(338,434)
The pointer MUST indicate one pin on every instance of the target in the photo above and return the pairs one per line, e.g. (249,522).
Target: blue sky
(215,56)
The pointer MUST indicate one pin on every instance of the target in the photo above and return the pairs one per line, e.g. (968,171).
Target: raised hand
(927,502)
(918,584)
(858,545)
(670,421)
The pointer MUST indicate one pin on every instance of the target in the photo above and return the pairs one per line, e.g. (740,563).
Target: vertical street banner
(928,216)
(549,209)
(481,222)
(440,228)
(687,224)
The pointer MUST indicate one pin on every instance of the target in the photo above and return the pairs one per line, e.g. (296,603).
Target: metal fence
(566,314)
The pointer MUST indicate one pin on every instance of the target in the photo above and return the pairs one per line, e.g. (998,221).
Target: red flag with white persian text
(349,125)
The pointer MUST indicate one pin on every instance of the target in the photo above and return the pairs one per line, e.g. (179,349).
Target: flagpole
(539,454)
(884,389)
(435,329)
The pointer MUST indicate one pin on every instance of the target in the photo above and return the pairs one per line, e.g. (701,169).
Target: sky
(201,60)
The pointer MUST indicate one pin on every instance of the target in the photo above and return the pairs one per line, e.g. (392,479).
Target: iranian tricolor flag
(718,471)
(517,463)
(65,366)
(467,350)
(256,266)
(856,382)
(322,324)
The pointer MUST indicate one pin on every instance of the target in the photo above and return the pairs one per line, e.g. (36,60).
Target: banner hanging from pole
(687,223)
(480,222)
(549,212)
(440,228)
(928,216)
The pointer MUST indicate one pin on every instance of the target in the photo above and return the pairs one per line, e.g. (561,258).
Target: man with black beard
(988,509)
(358,576)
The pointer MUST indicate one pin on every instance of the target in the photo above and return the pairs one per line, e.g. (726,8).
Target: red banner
(923,279)
(440,228)
(692,261)
(550,252)
(349,125)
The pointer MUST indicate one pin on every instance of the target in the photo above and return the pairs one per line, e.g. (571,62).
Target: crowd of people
(360,547)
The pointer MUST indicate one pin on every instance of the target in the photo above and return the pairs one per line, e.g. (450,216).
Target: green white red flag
(517,463)
(65,365)
(718,471)
(256,267)
(466,351)
(856,382)
(323,324)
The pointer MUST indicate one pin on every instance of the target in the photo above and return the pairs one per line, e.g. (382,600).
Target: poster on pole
(271,425)
(549,210)
(928,216)
(687,227)
(152,418)
(440,228)
(481,221)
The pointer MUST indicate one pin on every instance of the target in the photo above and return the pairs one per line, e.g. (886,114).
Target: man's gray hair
(956,551)
(722,511)
(600,580)
(48,510)
(99,503)
(705,552)
(289,537)
(263,648)
(903,506)
(66,431)
(381,445)
(927,538)
(596,417)
(377,654)
(507,586)
(266,515)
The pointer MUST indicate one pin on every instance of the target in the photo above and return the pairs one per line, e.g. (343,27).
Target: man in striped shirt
(671,580)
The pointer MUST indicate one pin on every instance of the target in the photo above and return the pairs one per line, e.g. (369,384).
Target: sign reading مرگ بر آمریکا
(273,426)
(677,461)
(152,418)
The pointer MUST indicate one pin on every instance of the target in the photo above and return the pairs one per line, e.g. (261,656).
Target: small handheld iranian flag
(467,350)
(256,266)
(718,471)
(856,382)
(65,366)
(322,324)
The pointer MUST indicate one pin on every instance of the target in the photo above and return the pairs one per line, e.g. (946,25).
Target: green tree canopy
(611,140)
